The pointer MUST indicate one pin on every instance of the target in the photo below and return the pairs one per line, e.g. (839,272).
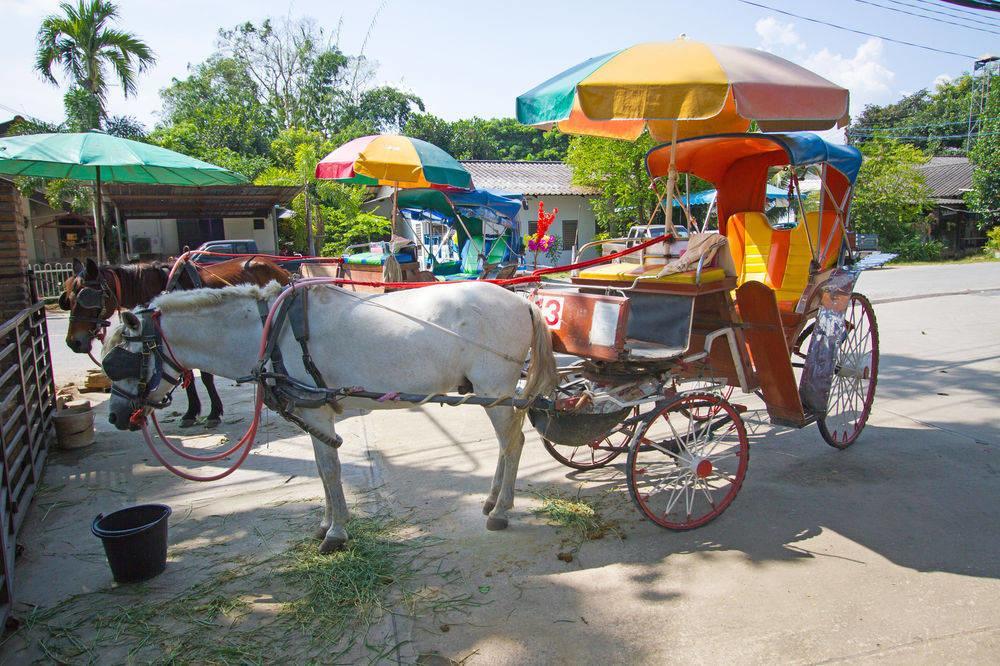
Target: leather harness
(282,393)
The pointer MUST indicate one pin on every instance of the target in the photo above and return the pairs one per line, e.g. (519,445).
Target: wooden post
(99,218)
(310,240)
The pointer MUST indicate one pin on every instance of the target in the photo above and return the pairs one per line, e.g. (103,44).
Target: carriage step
(740,409)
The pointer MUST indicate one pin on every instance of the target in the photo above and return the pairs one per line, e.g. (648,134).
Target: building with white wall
(551,182)
(161,221)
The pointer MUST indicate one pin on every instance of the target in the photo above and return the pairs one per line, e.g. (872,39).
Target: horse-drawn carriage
(762,309)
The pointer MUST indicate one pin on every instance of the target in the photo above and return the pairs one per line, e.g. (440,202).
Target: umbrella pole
(395,209)
(671,183)
(99,217)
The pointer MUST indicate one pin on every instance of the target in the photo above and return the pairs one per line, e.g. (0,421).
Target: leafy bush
(555,250)
(993,240)
(917,249)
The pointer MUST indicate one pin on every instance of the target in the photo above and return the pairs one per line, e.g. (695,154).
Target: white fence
(50,278)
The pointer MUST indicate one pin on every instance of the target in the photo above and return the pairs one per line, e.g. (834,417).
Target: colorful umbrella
(682,89)
(98,157)
(393,160)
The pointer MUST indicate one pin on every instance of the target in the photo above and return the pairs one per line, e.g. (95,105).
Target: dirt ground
(884,552)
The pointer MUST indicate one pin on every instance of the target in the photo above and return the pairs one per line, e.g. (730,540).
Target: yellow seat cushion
(622,273)
(796,266)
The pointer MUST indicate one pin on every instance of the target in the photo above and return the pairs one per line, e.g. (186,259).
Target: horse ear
(64,303)
(93,272)
(130,320)
(77,266)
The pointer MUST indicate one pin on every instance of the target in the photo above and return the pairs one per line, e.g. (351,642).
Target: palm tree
(80,39)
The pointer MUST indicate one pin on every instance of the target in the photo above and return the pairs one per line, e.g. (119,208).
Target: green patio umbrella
(99,157)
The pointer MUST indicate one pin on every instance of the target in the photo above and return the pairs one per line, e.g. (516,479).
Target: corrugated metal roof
(169,201)
(948,177)
(529,178)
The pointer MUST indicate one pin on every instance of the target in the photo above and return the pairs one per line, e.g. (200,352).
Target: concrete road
(68,365)
(885,552)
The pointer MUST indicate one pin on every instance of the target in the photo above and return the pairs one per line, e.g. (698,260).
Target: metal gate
(27,402)
(50,278)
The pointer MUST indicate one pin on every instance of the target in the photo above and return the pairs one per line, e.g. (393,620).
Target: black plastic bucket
(135,541)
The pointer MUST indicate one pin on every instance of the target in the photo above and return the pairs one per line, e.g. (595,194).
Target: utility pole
(979,94)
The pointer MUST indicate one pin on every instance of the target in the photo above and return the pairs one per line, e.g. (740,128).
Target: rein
(245,443)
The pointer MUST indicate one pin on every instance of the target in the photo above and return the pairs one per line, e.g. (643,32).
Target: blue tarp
(506,206)
(433,205)
(806,148)
(708,196)
(802,149)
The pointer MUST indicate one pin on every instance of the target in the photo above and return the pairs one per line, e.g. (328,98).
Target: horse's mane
(194,299)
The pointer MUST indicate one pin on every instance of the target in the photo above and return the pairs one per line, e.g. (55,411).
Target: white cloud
(774,34)
(941,79)
(865,73)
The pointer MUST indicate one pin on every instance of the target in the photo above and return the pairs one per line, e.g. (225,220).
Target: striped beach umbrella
(683,89)
(394,160)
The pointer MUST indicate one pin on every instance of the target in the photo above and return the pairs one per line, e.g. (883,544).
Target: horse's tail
(542,376)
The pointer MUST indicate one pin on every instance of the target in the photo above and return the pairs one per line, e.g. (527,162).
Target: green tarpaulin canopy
(93,155)
(99,157)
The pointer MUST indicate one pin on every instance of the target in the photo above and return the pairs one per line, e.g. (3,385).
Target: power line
(929,137)
(913,127)
(962,7)
(924,16)
(857,32)
(958,13)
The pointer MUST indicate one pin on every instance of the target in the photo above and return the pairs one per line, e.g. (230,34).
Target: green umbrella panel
(99,157)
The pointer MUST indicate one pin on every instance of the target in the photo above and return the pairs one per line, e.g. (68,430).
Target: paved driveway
(885,552)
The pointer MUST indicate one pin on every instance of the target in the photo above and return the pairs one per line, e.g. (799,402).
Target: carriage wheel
(684,472)
(853,389)
(598,453)
(704,413)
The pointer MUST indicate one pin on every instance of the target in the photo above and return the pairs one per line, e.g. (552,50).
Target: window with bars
(569,228)
(532,227)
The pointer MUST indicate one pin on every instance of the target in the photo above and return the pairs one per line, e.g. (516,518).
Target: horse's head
(90,301)
(142,377)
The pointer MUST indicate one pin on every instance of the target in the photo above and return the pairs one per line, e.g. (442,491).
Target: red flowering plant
(540,242)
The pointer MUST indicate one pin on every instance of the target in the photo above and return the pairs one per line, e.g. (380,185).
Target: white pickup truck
(641,232)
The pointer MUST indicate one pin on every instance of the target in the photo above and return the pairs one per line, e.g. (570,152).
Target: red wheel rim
(853,389)
(684,472)
(599,453)
(702,413)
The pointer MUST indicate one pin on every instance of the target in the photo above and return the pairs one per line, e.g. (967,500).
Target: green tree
(618,170)
(935,121)
(282,60)
(891,196)
(126,127)
(493,139)
(81,40)
(215,114)
(985,157)
(330,210)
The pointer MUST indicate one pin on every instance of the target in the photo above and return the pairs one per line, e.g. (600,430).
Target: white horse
(429,340)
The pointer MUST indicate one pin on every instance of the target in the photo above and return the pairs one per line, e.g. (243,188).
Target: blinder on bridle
(90,297)
(120,364)
(94,295)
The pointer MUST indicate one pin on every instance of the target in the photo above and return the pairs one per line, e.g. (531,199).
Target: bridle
(95,295)
(120,363)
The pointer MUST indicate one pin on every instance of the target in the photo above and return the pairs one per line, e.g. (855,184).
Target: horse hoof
(488,507)
(212,423)
(188,422)
(332,545)
(321,531)
(494,524)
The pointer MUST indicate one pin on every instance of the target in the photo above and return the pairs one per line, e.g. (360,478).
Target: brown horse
(95,293)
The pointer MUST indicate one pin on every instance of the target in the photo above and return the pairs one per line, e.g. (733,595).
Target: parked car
(641,232)
(240,247)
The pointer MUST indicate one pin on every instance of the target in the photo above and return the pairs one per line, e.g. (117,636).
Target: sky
(472,58)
